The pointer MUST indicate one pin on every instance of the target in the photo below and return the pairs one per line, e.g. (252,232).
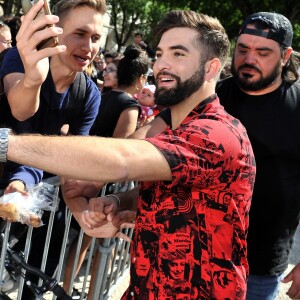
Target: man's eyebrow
(175,47)
(82,30)
(242,45)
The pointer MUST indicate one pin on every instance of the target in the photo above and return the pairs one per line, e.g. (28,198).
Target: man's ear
(212,69)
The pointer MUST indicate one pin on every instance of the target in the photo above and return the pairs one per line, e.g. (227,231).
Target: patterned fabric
(190,235)
(147,111)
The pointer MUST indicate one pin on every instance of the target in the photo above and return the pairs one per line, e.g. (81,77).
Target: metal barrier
(113,252)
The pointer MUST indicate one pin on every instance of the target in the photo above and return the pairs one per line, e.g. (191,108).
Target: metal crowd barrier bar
(114,256)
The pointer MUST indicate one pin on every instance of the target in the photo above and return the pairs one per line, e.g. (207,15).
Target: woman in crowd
(119,111)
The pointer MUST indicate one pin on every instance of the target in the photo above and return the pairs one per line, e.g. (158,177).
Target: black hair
(133,65)
(110,54)
(212,38)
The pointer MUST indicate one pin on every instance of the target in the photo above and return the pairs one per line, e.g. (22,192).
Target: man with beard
(201,168)
(264,94)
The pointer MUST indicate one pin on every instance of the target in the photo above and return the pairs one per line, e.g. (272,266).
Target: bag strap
(76,96)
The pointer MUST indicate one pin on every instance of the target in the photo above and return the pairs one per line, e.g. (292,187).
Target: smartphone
(26,6)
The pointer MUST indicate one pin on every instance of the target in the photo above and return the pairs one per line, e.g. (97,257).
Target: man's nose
(250,58)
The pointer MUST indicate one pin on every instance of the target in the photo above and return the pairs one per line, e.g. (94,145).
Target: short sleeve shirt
(53,107)
(113,103)
(190,233)
(52,114)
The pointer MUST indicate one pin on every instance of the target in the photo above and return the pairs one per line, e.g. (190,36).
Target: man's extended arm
(91,158)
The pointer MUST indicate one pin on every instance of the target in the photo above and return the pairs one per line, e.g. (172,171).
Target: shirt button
(132,293)
(134,259)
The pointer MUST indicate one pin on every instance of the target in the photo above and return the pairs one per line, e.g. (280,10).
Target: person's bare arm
(91,158)
(23,90)
(76,194)
(16,186)
(117,216)
(116,203)
(102,216)
(293,277)
(14,86)
(127,122)
(151,129)
(128,200)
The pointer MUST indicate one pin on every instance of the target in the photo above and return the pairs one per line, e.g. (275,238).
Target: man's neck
(62,77)
(181,110)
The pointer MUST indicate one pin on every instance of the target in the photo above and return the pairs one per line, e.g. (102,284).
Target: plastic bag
(29,209)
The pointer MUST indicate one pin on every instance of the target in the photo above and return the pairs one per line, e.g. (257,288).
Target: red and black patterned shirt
(190,233)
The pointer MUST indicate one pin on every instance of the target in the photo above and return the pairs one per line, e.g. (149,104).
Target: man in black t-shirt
(265,95)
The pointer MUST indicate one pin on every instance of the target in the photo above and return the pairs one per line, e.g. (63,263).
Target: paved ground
(117,291)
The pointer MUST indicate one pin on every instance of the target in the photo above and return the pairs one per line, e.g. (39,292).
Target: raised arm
(23,90)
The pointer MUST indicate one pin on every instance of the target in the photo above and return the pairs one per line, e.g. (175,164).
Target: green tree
(231,13)
(14,7)
(127,17)
(11,7)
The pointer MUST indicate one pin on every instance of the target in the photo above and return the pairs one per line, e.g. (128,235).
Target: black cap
(280,28)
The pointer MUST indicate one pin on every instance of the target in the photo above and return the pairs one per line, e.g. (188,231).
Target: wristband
(116,197)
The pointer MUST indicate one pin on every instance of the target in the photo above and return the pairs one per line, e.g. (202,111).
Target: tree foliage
(11,7)
(231,13)
(14,7)
(128,16)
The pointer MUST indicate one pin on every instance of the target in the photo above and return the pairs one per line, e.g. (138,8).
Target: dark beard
(245,82)
(182,90)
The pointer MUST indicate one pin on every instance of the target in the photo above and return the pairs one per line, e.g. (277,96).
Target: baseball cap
(280,28)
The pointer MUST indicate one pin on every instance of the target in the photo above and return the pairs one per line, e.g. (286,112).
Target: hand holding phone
(26,6)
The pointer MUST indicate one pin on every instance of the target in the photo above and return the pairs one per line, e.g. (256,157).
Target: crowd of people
(217,204)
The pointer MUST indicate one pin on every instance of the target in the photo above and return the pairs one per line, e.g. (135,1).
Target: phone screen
(26,6)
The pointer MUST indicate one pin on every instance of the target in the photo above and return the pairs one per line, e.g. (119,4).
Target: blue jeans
(263,287)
